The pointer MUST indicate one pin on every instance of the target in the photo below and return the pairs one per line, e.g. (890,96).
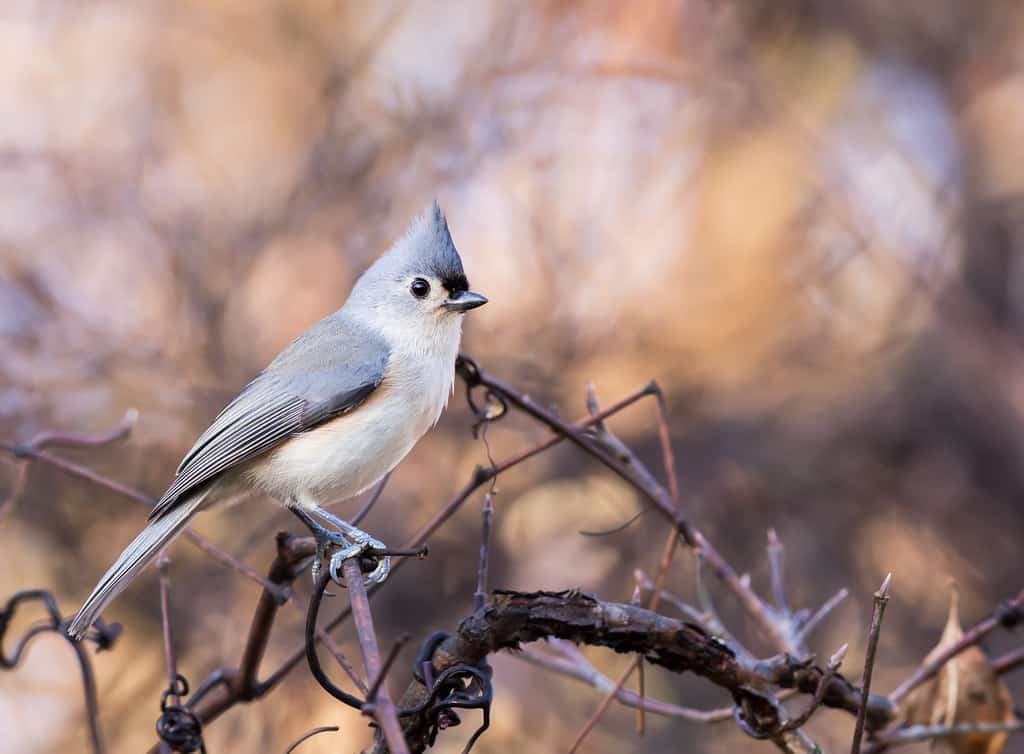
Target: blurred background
(805,220)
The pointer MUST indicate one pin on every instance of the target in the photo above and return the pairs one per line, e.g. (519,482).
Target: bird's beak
(463,301)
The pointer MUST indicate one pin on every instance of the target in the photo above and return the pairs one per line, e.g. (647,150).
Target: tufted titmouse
(332,414)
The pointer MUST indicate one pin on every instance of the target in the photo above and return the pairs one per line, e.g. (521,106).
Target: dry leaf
(966,690)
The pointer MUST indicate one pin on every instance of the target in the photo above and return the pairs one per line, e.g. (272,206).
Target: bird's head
(418,288)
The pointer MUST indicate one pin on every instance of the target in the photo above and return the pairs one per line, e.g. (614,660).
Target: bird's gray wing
(327,372)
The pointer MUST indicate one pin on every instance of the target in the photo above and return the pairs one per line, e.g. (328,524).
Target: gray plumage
(289,431)
(327,371)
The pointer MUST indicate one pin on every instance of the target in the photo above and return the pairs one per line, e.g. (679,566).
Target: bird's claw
(360,545)
(352,542)
(325,538)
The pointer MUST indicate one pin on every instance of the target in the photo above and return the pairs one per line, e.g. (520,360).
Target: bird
(331,415)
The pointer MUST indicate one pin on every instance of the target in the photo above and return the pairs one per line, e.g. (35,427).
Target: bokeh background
(804,219)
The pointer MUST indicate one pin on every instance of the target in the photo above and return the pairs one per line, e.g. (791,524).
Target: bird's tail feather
(131,562)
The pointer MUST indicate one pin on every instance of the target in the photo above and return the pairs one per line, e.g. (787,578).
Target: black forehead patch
(455,283)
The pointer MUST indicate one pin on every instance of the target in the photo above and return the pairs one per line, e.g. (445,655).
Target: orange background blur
(805,220)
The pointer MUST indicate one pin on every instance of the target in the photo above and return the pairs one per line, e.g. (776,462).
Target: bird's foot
(361,543)
(352,540)
(325,538)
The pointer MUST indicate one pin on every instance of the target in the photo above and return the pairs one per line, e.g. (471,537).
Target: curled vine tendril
(178,726)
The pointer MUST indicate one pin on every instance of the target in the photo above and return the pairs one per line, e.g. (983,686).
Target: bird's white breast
(347,455)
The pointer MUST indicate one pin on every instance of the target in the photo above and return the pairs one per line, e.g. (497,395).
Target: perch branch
(514,618)
(379,706)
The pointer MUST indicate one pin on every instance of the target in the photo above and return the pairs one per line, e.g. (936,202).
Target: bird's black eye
(420,288)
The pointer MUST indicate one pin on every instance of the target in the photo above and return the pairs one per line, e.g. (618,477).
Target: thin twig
(575,665)
(226,687)
(630,469)
(645,583)
(103,635)
(59,438)
(775,556)
(881,599)
(917,733)
(641,722)
(374,497)
(819,693)
(659,585)
(1008,662)
(711,618)
(665,440)
(486,514)
(642,480)
(657,494)
(820,615)
(170,657)
(383,708)
(132,493)
(335,651)
(309,734)
(371,693)
(17,489)
(753,604)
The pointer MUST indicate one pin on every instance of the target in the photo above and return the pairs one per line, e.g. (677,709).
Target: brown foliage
(966,690)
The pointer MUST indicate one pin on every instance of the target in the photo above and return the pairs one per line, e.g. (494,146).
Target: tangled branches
(452,672)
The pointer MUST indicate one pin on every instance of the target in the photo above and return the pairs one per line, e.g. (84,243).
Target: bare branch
(659,584)
(819,693)
(821,614)
(775,554)
(645,583)
(575,665)
(380,705)
(481,476)
(487,513)
(881,599)
(917,733)
(102,634)
(514,618)
(372,501)
(163,565)
(1008,662)
(309,734)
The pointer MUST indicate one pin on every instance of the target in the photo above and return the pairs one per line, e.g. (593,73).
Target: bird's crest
(435,252)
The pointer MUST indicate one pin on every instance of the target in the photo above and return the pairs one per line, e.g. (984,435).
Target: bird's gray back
(325,372)
(337,354)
